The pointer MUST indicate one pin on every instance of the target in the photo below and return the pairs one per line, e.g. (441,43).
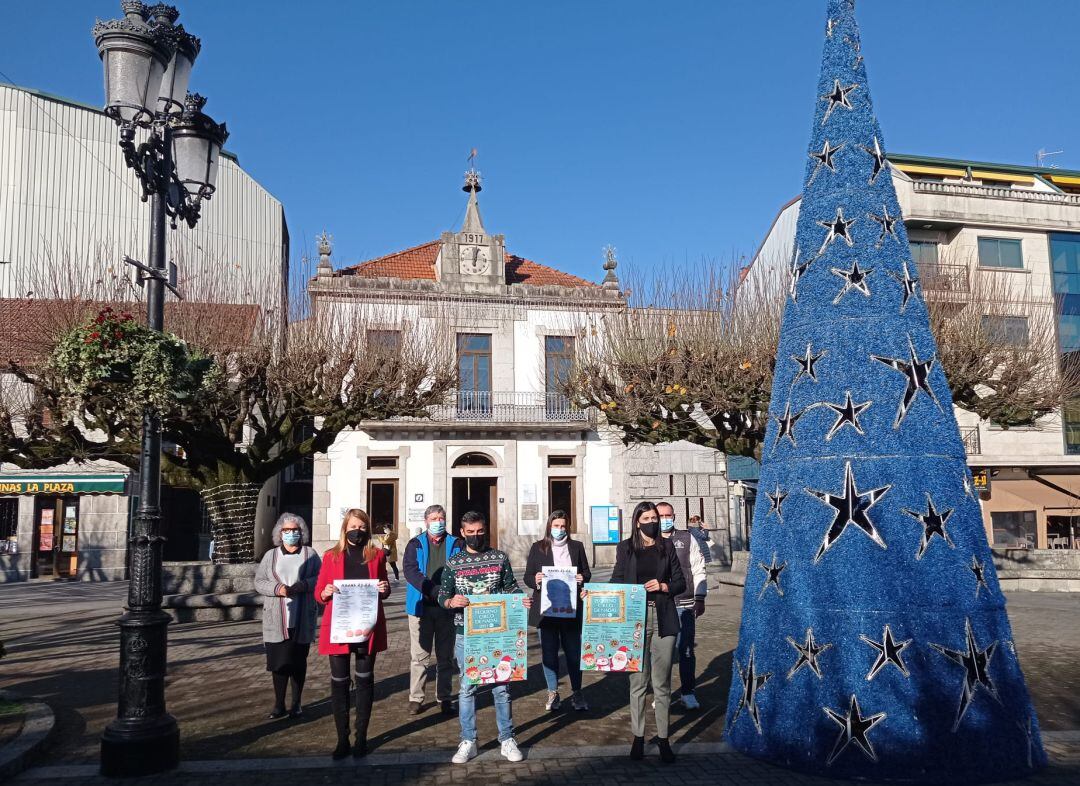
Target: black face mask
(650,530)
(356,537)
(476,542)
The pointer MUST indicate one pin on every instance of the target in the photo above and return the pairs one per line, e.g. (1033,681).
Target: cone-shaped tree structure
(874,639)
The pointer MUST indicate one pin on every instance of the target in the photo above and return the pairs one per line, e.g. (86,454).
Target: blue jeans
(467,702)
(684,645)
(556,633)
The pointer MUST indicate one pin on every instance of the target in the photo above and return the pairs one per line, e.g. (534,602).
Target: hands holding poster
(495,639)
(559,592)
(354,611)
(613,633)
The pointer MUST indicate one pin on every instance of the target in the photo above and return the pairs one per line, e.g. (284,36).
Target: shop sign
(107,485)
(980,478)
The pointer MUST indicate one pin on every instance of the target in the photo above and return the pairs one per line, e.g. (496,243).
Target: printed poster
(354,610)
(559,592)
(495,639)
(68,543)
(613,633)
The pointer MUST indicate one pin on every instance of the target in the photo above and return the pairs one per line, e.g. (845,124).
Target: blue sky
(673,131)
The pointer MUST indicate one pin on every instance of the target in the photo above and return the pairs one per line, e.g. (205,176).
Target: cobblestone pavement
(62,648)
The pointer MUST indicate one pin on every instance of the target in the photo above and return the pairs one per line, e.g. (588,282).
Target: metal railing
(510,407)
(994,192)
(970,438)
(944,277)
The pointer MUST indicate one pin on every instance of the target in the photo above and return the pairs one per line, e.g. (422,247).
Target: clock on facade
(474,261)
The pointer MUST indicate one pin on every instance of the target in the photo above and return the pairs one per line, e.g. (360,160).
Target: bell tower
(472,256)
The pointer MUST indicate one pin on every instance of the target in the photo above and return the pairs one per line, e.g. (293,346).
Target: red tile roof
(419,262)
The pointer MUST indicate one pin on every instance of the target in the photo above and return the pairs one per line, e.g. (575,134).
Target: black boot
(339,702)
(365,695)
(666,755)
(637,749)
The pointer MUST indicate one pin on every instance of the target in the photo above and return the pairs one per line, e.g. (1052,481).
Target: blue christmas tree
(874,639)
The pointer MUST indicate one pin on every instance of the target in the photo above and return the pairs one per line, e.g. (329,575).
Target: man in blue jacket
(431,627)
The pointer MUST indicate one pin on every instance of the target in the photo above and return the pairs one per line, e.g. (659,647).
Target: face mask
(667,525)
(649,530)
(436,528)
(476,542)
(558,534)
(356,537)
(290,538)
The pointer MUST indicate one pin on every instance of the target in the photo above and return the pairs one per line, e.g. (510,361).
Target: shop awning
(1055,495)
(62,483)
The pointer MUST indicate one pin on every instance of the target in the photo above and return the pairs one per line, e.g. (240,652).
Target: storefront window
(9,525)
(1014,528)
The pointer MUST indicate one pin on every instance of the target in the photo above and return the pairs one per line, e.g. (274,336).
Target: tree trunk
(231,507)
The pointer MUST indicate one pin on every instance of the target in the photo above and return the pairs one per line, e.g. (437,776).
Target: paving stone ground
(62,648)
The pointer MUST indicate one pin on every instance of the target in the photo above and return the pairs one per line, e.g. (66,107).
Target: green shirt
(488,573)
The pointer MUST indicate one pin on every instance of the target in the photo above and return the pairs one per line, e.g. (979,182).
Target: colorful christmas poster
(495,639)
(613,633)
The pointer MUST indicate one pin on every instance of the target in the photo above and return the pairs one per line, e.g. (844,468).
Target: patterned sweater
(488,573)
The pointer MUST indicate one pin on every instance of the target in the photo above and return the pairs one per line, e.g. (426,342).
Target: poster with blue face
(495,639)
(613,629)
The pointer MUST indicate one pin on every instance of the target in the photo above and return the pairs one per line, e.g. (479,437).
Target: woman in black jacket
(648,559)
(558,549)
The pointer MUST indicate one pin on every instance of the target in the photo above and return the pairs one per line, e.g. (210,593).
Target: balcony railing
(944,277)
(994,192)
(970,438)
(481,407)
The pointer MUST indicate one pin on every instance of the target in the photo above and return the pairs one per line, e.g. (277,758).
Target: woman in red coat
(354,557)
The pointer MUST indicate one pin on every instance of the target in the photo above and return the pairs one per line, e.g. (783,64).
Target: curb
(37,728)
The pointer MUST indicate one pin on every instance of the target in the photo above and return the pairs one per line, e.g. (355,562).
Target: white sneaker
(465,751)
(553,701)
(510,750)
(690,701)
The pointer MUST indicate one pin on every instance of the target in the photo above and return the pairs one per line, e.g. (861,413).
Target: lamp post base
(130,748)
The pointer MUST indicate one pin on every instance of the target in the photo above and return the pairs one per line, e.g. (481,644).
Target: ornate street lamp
(147,60)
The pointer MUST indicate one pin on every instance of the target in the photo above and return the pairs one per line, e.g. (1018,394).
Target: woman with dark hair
(558,549)
(285,578)
(354,557)
(646,558)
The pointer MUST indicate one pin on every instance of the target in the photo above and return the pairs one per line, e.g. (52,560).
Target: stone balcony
(479,410)
(969,204)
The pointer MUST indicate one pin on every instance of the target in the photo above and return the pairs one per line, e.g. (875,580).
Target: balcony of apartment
(944,204)
(970,438)
(945,280)
(514,410)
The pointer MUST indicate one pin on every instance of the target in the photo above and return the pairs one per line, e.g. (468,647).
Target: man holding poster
(556,569)
(483,571)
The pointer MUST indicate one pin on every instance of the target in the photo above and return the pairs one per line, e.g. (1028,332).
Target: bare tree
(235,385)
(692,358)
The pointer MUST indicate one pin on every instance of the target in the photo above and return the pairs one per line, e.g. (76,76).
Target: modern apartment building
(976,230)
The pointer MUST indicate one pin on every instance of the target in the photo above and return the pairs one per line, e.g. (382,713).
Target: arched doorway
(474,489)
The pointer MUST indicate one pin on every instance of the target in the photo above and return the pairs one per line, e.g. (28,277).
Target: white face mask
(558,534)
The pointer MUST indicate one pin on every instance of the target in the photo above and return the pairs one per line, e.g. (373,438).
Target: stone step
(214,607)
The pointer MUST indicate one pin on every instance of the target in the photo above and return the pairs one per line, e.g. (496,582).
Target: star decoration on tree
(837,98)
(878,155)
(889,651)
(776,502)
(854,728)
(847,414)
(887,224)
(807,364)
(829,26)
(856,279)
(752,682)
(933,524)
(917,373)
(907,284)
(797,272)
(1029,741)
(977,568)
(808,654)
(855,45)
(786,424)
(838,227)
(824,159)
(772,573)
(976,665)
(852,508)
